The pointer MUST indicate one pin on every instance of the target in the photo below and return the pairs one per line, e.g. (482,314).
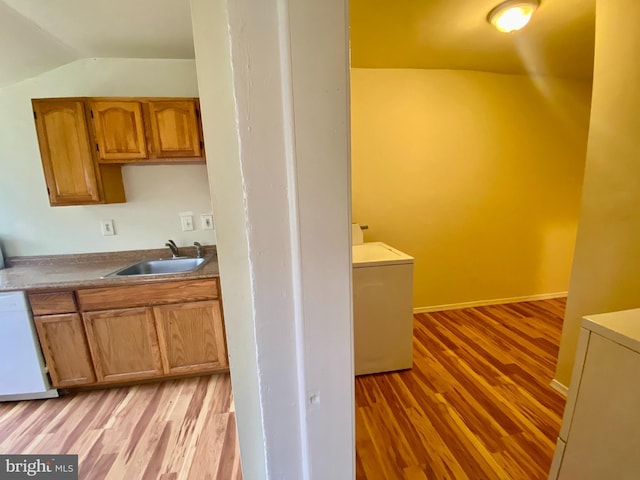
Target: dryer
(382,308)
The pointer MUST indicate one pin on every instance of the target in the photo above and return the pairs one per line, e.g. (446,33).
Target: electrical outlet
(187,223)
(206,220)
(107,228)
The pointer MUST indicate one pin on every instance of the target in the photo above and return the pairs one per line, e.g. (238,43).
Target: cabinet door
(119,129)
(65,148)
(123,344)
(191,337)
(175,129)
(65,350)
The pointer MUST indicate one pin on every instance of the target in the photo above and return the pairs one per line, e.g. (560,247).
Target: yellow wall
(606,271)
(477,175)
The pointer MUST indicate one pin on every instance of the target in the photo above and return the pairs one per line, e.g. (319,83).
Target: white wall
(26,49)
(273,78)
(217,101)
(155,194)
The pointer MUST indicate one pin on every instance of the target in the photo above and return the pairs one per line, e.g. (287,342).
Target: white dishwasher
(22,370)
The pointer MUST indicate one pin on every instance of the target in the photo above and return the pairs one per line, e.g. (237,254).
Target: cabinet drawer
(52,303)
(147,295)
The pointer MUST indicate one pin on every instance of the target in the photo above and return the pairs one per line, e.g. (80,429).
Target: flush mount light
(512,15)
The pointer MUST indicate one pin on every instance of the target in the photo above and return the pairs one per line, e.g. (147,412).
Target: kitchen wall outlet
(187,223)
(206,220)
(107,228)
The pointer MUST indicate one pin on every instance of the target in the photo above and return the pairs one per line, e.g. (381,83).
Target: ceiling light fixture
(512,15)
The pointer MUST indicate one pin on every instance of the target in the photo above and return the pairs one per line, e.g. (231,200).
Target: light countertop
(621,327)
(57,272)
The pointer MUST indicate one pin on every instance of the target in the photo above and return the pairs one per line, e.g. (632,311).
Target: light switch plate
(206,220)
(187,223)
(107,228)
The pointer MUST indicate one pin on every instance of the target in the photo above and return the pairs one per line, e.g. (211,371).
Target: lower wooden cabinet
(127,333)
(123,344)
(191,337)
(64,346)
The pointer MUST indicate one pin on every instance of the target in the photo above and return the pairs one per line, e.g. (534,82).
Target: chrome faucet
(198,249)
(173,247)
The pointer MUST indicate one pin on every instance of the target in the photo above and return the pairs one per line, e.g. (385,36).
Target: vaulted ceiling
(38,35)
(455,34)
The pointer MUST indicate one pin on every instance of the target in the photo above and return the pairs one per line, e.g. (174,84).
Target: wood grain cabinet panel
(52,302)
(144,295)
(71,173)
(65,350)
(119,129)
(175,128)
(191,337)
(123,344)
(132,332)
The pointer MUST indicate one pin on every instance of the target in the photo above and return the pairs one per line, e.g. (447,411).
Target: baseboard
(559,387)
(495,301)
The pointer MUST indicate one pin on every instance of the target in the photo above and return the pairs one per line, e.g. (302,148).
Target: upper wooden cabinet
(83,141)
(147,130)
(175,129)
(119,130)
(72,175)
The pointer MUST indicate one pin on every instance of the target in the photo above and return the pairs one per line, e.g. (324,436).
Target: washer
(382,308)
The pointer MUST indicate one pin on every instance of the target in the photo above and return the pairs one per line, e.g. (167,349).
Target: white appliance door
(21,365)
(383,318)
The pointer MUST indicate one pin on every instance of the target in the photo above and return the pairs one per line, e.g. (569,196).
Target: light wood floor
(180,429)
(477,404)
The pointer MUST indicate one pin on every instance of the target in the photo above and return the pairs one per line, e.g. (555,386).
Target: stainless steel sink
(161,267)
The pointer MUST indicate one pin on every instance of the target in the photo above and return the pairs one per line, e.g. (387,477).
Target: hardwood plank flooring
(477,403)
(179,430)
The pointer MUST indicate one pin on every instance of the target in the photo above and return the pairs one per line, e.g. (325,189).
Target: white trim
(559,387)
(51,393)
(286,86)
(495,301)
